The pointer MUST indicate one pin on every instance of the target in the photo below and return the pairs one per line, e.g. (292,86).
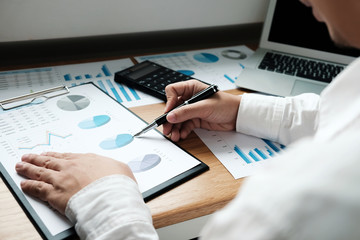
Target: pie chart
(206,57)
(94,122)
(116,142)
(186,72)
(73,103)
(233,54)
(144,163)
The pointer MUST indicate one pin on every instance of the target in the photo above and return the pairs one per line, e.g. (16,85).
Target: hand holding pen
(208,92)
(216,112)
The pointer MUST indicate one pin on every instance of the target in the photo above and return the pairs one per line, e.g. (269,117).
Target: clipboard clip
(34,98)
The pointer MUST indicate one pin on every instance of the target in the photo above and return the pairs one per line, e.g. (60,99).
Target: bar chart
(242,155)
(262,152)
(102,75)
(24,81)
(105,72)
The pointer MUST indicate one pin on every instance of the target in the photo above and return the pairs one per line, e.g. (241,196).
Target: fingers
(172,131)
(37,189)
(181,130)
(42,161)
(63,156)
(34,172)
(178,92)
(47,193)
(200,109)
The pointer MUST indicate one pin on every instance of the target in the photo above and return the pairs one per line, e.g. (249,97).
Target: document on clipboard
(84,119)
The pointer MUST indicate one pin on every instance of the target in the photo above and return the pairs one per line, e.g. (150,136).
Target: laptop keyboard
(300,67)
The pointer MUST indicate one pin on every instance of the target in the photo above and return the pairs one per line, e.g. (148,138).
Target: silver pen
(206,93)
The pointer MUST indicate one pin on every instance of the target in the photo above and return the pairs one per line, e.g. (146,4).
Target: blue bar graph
(126,95)
(102,86)
(261,154)
(106,71)
(67,77)
(241,154)
(107,85)
(253,156)
(134,93)
(258,152)
(229,78)
(271,145)
(271,153)
(113,90)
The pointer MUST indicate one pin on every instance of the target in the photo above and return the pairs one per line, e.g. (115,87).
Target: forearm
(111,208)
(283,120)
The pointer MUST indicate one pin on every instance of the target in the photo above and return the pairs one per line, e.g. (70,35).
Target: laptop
(295,55)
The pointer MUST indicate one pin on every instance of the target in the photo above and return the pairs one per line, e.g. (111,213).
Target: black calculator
(150,78)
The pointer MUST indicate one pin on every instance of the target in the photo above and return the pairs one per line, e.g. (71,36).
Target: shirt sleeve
(310,192)
(111,208)
(283,120)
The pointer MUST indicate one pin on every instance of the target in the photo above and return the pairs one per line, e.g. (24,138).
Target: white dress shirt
(310,192)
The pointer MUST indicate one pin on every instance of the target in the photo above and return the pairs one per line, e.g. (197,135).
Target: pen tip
(137,134)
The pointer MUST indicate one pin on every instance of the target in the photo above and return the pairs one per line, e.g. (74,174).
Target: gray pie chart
(144,163)
(73,103)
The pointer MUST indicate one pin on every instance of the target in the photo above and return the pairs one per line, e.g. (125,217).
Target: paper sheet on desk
(87,120)
(242,155)
(220,66)
(24,81)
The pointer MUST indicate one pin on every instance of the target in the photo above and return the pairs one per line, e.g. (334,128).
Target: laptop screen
(294,24)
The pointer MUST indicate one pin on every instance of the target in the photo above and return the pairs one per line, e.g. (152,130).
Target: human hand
(56,177)
(216,113)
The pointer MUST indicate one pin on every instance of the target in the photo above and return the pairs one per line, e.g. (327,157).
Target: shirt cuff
(260,115)
(107,204)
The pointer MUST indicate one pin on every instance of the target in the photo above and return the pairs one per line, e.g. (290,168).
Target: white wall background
(48,19)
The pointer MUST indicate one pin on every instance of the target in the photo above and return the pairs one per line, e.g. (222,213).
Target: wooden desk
(197,197)
(200,196)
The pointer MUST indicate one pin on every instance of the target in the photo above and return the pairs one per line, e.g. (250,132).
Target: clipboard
(158,164)
(31,98)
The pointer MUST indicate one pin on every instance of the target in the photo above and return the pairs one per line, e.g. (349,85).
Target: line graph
(49,135)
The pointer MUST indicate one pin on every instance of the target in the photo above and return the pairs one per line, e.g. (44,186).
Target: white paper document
(82,121)
(241,154)
(220,66)
(24,81)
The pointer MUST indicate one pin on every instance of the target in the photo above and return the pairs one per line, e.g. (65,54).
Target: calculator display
(143,71)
